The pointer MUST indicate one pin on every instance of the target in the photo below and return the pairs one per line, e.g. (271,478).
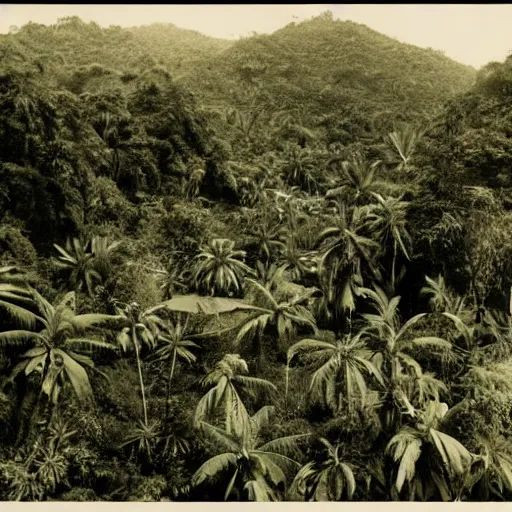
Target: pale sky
(472,34)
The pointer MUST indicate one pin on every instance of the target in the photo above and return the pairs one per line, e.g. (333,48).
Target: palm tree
(441,297)
(103,251)
(269,275)
(144,437)
(341,368)
(419,451)
(386,327)
(283,317)
(299,169)
(142,327)
(296,261)
(175,342)
(57,348)
(394,348)
(89,263)
(76,258)
(153,437)
(267,239)
(219,269)
(345,257)
(387,222)
(326,479)
(357,180)
(252,190)
(229,380)
(421,388)
(259,469)
(402,146)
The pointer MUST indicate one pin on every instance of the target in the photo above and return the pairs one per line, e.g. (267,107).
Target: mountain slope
(325,65)
(319,66)
(177,48)
(76,43)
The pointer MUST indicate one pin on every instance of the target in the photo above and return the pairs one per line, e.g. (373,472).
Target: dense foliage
(271,269)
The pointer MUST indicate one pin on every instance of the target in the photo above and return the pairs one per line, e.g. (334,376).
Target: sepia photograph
(255,253)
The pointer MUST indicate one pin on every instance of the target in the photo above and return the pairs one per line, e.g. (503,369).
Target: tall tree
(356,180)
(387,222)
(142,328)
(346,257)
(402,145)
(395,349)
(175,342)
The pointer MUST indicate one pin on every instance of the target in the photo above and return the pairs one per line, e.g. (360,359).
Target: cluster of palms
(368,359)
(376,367)
(316,295)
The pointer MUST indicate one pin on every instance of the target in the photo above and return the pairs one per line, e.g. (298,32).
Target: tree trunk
(139,366)
(173,365)
(287,382)
(33,416)
(478,303)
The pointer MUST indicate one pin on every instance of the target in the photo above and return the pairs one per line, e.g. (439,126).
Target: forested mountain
(269,269)
(75,43)
(328,67)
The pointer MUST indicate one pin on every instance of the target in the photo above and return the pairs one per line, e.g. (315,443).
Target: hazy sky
(473,34)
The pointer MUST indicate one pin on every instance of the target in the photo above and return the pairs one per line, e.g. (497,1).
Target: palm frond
(220,437)
(77,376)
(286,446)
(86,321)
(90,346)
(212,467)
(17,337)
(455,456)
(255,384)
(21,315)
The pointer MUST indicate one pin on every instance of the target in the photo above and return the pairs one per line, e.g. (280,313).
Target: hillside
(177,48)
(323,66)
(75,43)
